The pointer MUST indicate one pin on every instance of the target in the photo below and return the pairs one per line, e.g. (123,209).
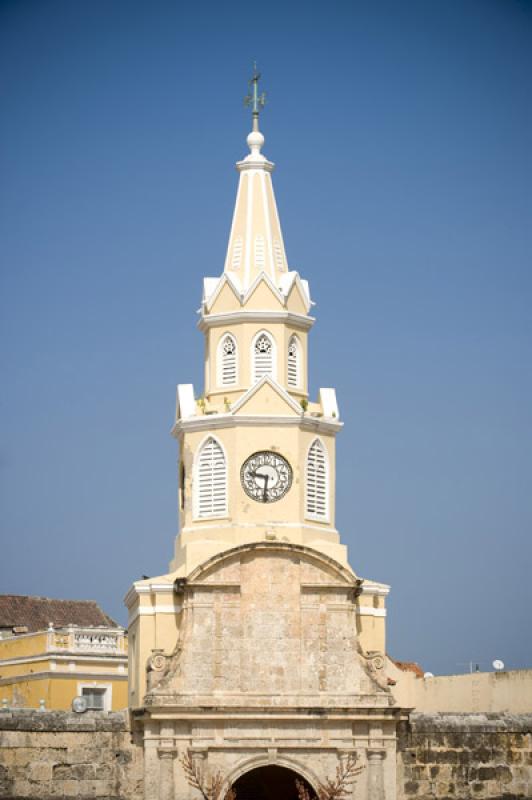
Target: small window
(262,356)
(227,354)
(95,698)
(317,489)
(293,362)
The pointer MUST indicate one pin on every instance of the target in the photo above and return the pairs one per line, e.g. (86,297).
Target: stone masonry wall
(58,754)
(447,756)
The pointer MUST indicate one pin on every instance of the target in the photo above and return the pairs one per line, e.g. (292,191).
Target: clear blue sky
(402,135)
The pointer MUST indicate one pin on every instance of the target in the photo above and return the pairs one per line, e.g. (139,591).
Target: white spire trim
(269,237)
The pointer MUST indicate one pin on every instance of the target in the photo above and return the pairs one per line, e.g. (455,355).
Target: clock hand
(266,479)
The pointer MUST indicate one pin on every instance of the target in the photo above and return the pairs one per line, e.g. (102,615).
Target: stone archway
(269,782)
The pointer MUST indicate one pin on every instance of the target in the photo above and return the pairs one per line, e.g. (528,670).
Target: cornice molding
(369,611)
(67,656)
(259,164)
(216,421)
(146,587)
(53,675)
(300,321)
(325,528)
(375,588)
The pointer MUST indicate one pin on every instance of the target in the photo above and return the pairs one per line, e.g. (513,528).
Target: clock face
(266,476)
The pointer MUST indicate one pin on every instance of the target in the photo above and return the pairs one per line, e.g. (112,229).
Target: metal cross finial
(254,99)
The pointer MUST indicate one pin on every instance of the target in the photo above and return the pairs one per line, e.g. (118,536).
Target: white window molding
(210,480)
(227,361)
(317,482)
(263,356)
(293,361)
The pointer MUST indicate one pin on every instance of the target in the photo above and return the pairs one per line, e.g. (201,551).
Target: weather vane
(254,99)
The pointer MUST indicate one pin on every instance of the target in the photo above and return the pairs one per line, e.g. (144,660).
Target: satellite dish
(498,664)
(79,704)
(428,674)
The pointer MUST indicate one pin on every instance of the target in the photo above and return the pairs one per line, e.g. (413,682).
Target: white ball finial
(255,141)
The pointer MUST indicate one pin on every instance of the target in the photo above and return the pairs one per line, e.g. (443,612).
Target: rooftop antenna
(473,666)
(254,99)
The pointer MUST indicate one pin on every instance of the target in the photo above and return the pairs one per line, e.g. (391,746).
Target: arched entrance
(270,782)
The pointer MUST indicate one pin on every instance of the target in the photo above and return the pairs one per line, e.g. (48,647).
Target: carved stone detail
(160,666)
(375,661)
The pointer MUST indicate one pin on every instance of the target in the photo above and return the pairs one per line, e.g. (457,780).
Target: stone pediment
(270,624)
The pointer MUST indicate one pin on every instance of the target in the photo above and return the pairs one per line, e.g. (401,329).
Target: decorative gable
(263,296)
(296,301)
(266,398)
(225,299)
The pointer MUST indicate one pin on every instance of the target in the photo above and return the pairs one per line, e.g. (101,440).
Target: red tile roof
(35,613)
(409,666)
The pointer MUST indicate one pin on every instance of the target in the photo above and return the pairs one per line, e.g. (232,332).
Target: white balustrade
(86,640)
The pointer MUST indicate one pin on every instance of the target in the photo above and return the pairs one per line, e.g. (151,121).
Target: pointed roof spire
(256,242)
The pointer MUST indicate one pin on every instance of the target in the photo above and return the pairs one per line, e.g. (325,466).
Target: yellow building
(52,651)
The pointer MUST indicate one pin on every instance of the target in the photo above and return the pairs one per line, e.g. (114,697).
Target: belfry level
(259,658)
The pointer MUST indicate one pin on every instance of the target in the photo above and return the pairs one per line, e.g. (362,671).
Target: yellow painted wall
(496,692)
(27,644)
(58,692)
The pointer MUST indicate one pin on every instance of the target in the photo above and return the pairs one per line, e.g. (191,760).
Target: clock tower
(257,457)
(260,614)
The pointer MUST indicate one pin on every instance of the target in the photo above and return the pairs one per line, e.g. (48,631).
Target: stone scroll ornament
(374,662)
(210,788)
(160,667)
(338,788)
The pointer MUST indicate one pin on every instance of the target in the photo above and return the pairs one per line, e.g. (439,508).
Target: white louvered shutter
(317,482)
(228,365)
(262,357)
(278,252)
(211,481)
(237,253)
(259,252)
(293,362)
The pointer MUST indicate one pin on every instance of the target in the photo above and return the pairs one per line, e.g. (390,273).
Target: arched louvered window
(227,361)
(294,365)
(317,488)
(210,489)
(263,356)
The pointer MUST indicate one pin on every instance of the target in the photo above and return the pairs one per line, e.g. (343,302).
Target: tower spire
(256,242)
